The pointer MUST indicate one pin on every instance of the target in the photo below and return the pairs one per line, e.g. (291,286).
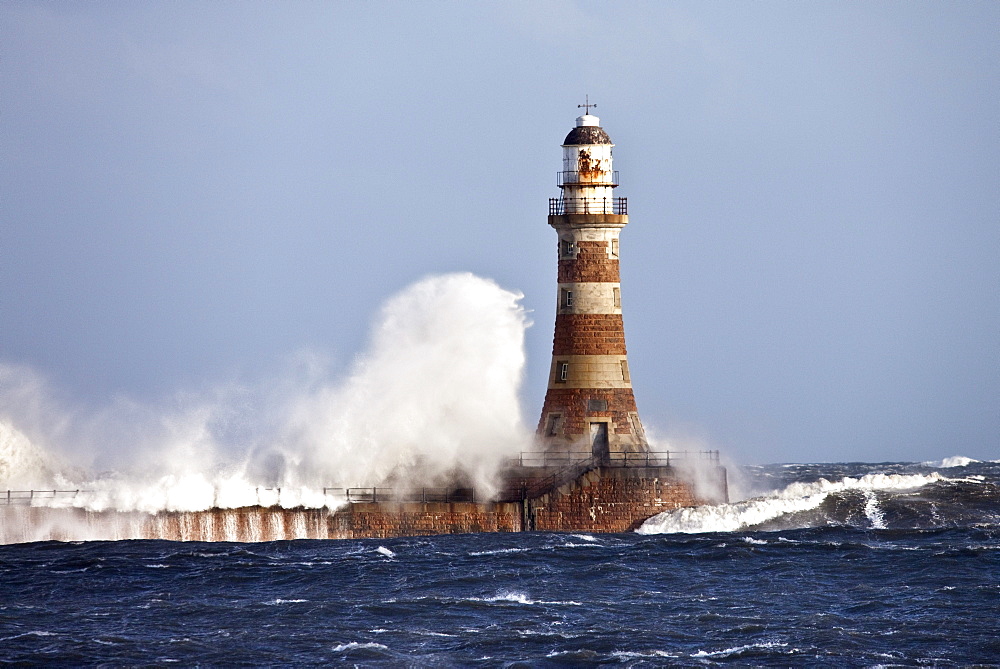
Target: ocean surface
(839,565)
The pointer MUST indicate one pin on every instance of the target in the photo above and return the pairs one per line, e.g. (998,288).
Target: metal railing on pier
(29,497)
(559,206)
(550,471)
(572,464)
(377,494)
(640,459)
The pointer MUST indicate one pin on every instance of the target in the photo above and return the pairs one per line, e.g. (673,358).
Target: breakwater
(588,495)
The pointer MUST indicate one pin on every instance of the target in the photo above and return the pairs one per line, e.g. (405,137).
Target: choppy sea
(856,565)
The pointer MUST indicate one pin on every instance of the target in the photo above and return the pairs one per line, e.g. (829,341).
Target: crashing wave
(458,338)
(953,461)
(795,498)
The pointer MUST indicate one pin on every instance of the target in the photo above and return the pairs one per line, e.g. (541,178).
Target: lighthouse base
(615,499)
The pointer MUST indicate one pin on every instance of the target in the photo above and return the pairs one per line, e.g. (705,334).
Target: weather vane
(587,106)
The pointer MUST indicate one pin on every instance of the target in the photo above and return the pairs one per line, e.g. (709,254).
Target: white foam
(873,511)
(642,654)
(736,650)
(499,551)
(792,499)
(385,551)
(354,645)
(514,597)
(520,598)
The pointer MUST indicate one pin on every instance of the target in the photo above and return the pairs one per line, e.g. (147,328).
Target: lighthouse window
(614,248)
(625,375)
(562,371)
(597,405)
(568,248)
(552,425)
(618,297)
(567,298)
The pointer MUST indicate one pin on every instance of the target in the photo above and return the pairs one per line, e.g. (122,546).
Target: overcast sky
(192,192)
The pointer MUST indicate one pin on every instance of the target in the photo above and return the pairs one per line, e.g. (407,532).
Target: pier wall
(407,519)
(611,500)
(603,499)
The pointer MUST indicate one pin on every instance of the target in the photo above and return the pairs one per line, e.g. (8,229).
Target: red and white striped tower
(589,405)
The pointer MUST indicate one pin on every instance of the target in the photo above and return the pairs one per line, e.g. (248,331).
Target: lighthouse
(589,406)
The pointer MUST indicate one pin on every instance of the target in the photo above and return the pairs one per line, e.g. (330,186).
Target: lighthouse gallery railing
(560,206)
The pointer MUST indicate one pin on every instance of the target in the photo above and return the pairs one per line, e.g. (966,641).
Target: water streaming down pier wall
(250,524)
(603,498)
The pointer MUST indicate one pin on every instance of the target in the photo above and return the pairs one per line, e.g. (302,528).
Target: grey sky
(192,192)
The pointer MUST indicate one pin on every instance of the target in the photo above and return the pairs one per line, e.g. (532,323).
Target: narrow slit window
(637,430)
(562,371)
(614,248)
(625,375)
(567,298)
(567,248)
(617,296)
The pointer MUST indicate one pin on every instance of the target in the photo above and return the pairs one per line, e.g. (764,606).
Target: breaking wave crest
(953,461)
(791,506)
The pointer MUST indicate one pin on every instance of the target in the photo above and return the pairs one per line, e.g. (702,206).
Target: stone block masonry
(572,404)
(591,264)
(407,519)
(589,334)
(604,499)
(611,500)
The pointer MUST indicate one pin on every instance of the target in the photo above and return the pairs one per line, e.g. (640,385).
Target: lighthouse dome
(587,131)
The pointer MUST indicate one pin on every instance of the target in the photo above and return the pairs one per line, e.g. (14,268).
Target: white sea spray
(435,396)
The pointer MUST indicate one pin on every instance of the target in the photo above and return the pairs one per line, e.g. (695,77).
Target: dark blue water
(829,589)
